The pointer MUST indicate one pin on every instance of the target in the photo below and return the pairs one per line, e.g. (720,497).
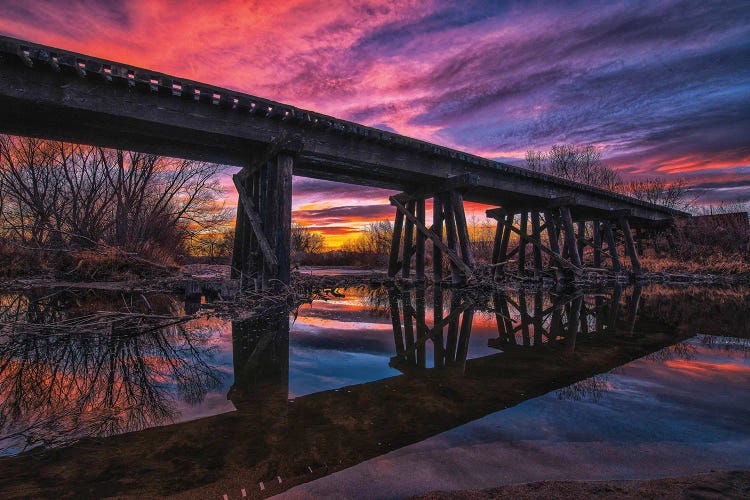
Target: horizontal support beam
(456,182)
(514,209)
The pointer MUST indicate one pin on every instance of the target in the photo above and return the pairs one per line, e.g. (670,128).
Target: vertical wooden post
(437,332)
(421,333)
(574,321)
(396,321)
(630,245)
(498,238)
(581,243)
(597,244)
(538,320)
(408,325)
(398,225)
(419,265)
(463,230)
(283,223)
(552,233)
(523,311)
(238,260)
(462,350)
(267,214)
(450,229)
(537,238)
(570,238)
(503,252)
(408,243)
(522,243)
(452,340)
(612,247)
(437,228)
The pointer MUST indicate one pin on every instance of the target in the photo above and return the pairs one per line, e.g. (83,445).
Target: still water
(303,393)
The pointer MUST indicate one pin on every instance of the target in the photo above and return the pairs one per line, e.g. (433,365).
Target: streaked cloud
(662,87)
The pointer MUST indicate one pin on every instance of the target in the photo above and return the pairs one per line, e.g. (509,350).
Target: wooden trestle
(560,236)
(448,217)
(262,241)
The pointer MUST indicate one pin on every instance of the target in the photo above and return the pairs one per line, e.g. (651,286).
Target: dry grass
(718,263)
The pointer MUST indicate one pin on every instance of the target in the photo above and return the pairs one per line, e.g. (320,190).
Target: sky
(663,88)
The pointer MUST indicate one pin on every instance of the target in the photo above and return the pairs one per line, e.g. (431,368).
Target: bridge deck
(51,93)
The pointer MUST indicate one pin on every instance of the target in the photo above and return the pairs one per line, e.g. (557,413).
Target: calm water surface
(69,370)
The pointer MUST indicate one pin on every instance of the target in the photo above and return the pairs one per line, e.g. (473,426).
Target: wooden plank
(257,225)
(630,245)
(239,242)
(118,116)
(570,238)
(503,251)
(555,256)
(612,247)
(515,209)
(536,239)
(421,227)
(552,232)
(437,228)
(283,236)
(398,226)
(522,243)
(408,242)
(461,181)
(419,264)
(451,236)
(463,230)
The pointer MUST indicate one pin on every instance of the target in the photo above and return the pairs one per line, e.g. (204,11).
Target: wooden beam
(393,264)
(612,247)
(630,245)
(283,238)
(536,239)
(437,228)
(463,230)
(570,238)
(461,181)
(419,264)
(408,242)
(552,233)
(555,256)
(257,225)
(451,236)
(515,209)
(522,243)
(503,254)
(431,235)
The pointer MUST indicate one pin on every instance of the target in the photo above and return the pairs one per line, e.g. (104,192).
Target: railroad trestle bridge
(56,94)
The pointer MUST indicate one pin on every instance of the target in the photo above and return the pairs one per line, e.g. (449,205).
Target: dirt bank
(735,484)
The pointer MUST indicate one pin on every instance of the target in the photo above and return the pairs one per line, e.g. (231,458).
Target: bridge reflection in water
(542,342)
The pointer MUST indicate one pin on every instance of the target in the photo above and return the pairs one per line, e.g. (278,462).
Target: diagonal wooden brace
(256,223)
(453,256)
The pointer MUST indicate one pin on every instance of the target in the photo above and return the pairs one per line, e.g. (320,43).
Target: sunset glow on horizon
(662,88)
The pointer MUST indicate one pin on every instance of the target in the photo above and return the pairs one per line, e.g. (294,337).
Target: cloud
(662,87)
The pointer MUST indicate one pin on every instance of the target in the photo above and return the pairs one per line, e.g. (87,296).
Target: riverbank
(732,484)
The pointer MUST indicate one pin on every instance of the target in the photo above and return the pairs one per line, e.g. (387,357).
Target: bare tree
(576,163)
(56,195)
(375,239)
(305,240)
(658,190)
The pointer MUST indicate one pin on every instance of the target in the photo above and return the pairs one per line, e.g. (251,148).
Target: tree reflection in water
(68,372)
